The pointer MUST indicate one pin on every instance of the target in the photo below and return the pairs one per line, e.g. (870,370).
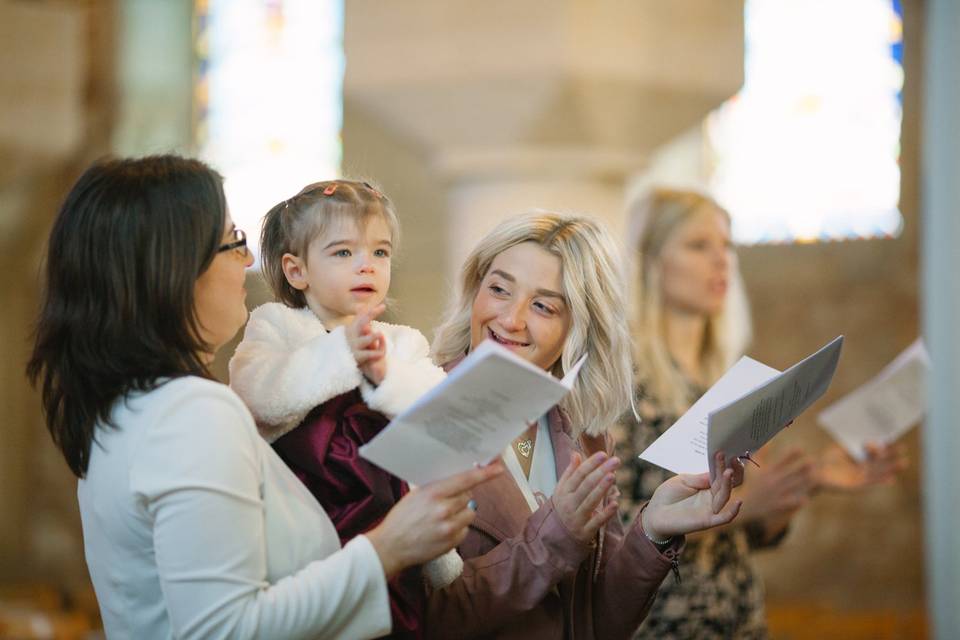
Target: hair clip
(375,192)
(329,190)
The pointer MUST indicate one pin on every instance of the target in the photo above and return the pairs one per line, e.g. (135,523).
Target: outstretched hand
(837,471)
(686,503)
(779,486)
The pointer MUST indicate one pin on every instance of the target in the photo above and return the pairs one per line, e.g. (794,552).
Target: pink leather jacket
(526,577)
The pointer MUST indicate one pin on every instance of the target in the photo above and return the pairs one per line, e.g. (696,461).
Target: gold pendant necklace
(524,447)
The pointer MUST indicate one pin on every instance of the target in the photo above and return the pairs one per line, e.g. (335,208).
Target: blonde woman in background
(691,323)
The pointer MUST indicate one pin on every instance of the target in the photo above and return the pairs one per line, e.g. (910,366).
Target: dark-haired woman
(193,527)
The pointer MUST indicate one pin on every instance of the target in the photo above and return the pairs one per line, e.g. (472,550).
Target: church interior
(466,113)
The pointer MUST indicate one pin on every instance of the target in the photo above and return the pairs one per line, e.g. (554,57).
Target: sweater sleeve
(410,372)
(287,364)
(198,474)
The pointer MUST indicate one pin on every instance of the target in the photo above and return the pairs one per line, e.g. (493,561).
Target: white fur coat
(288,363)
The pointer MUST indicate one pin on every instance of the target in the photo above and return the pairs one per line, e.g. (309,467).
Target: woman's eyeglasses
(239,243)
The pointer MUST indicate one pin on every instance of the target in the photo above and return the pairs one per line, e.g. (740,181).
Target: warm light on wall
(809,149)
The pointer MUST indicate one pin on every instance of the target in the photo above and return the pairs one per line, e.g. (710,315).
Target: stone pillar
(41,110)
(533,104)
(484,190)
(941,264)
(55,107)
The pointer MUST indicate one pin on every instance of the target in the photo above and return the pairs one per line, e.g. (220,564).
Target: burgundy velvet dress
(323,451)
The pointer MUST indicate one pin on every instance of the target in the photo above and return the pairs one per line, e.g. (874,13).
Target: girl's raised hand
(368,346)
(686,503)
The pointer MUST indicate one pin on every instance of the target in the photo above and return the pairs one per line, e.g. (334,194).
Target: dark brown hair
(117,312)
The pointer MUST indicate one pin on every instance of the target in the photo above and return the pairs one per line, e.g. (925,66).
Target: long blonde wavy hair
(594,293)
(654,219)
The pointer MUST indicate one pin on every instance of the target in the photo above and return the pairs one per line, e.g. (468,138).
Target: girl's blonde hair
(655,219)
(594,294)
(290,226)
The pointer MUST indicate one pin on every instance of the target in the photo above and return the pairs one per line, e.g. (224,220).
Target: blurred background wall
(466,114)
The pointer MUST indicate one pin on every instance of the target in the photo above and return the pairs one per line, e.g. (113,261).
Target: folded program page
(468,419)
(883,408)
(743,410)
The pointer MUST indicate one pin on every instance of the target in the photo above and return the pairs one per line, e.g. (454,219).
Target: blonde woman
(546,557)
(691,323)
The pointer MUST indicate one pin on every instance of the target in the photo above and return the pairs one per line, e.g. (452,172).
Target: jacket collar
(503,511)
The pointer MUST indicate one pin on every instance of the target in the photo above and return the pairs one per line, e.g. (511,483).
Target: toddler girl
(320,374)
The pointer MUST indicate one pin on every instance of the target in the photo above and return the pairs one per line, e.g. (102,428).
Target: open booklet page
(745,425)
(683,447)
(750,388)
(885,407)
(485,402)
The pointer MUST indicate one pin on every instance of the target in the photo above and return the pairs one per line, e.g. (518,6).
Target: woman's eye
(342,253)
(542,308)
(497,290)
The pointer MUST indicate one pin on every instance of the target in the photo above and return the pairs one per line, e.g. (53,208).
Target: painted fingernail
(472,505)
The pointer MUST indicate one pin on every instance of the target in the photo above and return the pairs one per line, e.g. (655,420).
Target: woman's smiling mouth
(507,343)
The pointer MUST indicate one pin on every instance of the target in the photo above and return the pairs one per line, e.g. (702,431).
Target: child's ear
(295,270)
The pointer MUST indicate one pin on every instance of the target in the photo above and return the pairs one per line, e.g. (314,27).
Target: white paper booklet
(683,447)
(884,408)
(485,402)
(746,407)
(745,425)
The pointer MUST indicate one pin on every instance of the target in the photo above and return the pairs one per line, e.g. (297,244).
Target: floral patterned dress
(720,594)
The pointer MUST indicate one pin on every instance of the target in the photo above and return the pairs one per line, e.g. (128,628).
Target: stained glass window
(809,148)
(268,99)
